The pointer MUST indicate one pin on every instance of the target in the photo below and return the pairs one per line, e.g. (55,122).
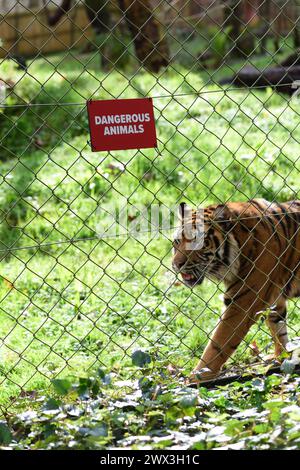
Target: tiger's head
(204,245)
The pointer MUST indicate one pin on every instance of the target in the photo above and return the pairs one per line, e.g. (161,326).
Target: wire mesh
(82,286)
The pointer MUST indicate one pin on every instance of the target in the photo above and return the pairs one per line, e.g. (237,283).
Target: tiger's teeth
(187,276)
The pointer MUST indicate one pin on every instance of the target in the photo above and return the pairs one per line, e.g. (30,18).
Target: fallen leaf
(254,349)
(293,345)
(148,176)
(173,370)
(8,283)
(28,394)
(117,167)
(38,142)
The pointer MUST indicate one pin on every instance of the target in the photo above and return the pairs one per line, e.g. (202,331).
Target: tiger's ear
(184,211)
(223,217)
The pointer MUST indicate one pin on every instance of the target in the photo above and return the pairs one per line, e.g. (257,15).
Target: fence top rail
(156,97)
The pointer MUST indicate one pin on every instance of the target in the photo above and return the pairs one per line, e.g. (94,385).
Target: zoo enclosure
(133,39)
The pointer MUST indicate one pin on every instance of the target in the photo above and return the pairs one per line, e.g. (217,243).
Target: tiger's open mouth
(191,280)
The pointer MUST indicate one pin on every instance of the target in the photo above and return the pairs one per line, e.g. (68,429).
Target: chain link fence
(86,238)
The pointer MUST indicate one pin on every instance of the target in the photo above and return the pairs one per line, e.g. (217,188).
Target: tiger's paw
(271,359)
(202,375)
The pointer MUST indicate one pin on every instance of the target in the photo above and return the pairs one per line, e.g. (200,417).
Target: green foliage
(5,434)
(9,69)
(123,415)
(61,386)
(219,43)
(140,358)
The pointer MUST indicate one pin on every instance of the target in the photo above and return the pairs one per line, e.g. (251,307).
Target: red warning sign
(122,124)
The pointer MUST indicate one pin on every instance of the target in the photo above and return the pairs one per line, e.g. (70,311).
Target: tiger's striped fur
(254,248)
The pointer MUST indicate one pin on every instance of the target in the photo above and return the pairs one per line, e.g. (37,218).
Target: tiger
(253,247)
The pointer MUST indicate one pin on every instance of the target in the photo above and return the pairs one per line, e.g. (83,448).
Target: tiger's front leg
(230,331)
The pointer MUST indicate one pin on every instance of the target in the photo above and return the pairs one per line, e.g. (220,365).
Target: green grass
(68,308)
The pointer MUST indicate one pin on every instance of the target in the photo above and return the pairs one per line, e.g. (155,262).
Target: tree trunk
(150,46)
(233,11)
(60,11)
(99,15)
(97,12)
(264,11)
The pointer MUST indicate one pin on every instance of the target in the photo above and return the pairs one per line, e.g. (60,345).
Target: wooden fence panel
(27,33)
